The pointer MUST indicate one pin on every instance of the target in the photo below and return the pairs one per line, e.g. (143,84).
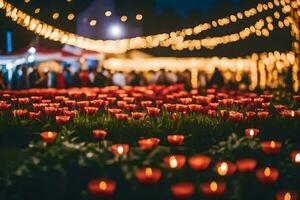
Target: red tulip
(153,111)
(181,108)
(195,108)
(34,115)
(246,165)
(130,107)
(121,104)
(175,161)
(120,149)
(50,110)
(169,107)
(4,106)
(186,100)
(36,99)
(20,113)
(146,103)
(148,175)
(121,116)
(82,104)
(251,132)
(287,195)
(70,113)
(296,97)
(62,119)
(263,114)
(70,103)
(235,116)
(23,101)
(90,110)
(48,136)
(225,168)
(99,134)
(199,162)
(129,99)
(138,115)
(279,108)
(183,190)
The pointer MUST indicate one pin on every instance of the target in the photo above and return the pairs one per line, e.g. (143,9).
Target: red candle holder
(287,195)
(267,175)
(225,168)
(102,188)
(99,134)
(175,139)
(251,132)
(271,147)
(199,162)
(213,189)
(183,190)
(120,149)
(149,143)
(246,165)
(295,157)
(48,136)
(175,161)
(148,175)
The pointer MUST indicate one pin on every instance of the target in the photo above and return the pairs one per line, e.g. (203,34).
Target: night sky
(159,16)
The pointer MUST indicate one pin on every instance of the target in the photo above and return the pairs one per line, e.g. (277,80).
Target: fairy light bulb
(213,186)
(267,172)
(148,171)
(223,169)
(120,150)
(102,185)
(173,162)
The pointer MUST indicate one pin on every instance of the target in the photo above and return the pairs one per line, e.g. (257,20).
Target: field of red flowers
(149,142)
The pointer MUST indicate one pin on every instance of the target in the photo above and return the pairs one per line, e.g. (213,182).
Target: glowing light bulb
(267,172)
(222,170)
(102,185)
(148,171)
(272,144)
(251,133)
(173,162)
(213,186)
(297,158)
(50,135)
(293,113)
(108,13)
(287,196)
(120,150)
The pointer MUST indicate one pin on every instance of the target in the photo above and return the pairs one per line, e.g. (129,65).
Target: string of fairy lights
(164,39)
(71,16)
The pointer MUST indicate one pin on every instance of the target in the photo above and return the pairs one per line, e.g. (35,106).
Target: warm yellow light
(102,185)
(50,134)
(223,169)
(124,18)
(71,16)
(148,171)
(120,150)
(272,144)
(287,196)
(55,16)
(68,1)
(251,133)
(26,1)
(139,17)
(297,158)
(173,162)
(93,22)
(267,172)
(213,186)
(108,13)
(37,10)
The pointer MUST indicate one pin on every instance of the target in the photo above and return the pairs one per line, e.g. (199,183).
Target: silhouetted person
(24,81)
(76,80)
(217,78)
(68,77)
(15,78)
(33,78)
(3,84)
(101,80)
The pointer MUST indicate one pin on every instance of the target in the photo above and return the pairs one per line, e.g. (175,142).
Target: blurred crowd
(24,78)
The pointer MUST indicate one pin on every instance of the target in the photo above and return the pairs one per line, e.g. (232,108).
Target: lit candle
(295,156)
(271,147)
(251,132)
(175,139)
(199,162)
(120,149)
(148,175)
(246,165)
(287,195)
(267,175)
(213,189)
(175,161)
(48,136)
(102,188)
(149,143)
(183,190)
(225,168)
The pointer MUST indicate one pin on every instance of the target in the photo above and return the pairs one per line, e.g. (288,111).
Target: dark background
(158,16)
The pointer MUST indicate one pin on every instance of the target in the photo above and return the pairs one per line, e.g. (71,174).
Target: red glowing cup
(213,189)
(246,165)
(175,161)
(225,168)
(120,149)
(271,147)
(199,162)
(287,195)
(102,188)
(48,136)
(149,143)
(267,175)
(148,175)
(183,190)
(175,139)
(251,132)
